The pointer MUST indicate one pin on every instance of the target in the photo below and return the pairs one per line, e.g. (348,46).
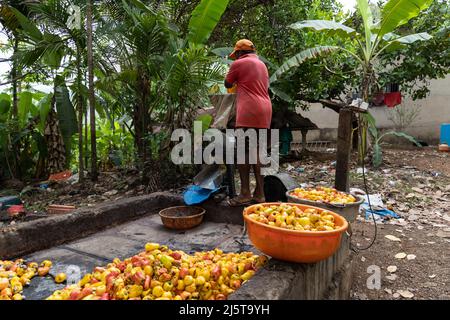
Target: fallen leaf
(443,234)
(392,269)
(429,285)
(392,238)
(410,257)
(388,291)
(432,276)
(400,255)
(392,277)
(405,294)
(396,295)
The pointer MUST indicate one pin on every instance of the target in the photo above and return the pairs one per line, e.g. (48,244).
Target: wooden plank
(343,150)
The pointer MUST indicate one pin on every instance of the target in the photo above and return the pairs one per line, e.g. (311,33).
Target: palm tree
(91,92)
(11,24)
(364,47)
(156,63)
(52,48)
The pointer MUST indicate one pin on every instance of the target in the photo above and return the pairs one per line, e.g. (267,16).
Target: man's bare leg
(258,194)
(244,173)
(245,196)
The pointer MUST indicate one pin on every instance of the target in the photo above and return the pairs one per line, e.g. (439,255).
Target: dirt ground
(424,233)
(414,183)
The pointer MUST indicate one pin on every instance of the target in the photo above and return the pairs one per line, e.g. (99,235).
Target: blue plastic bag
(196,195)
(380,212)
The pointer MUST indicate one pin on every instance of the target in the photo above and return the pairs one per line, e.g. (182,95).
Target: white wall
(434,111)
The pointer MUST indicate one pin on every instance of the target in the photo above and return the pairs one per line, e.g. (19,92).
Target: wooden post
(304,133)
(343,149)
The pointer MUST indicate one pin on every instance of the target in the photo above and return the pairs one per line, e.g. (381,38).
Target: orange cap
(242,44)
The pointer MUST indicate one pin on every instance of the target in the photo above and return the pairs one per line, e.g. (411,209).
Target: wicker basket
(182,217)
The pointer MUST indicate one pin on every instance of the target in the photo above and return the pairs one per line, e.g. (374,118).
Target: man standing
(253,111)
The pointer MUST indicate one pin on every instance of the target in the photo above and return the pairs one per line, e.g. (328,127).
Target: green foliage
(154,68)
(331,28)
(206,121)
(114,145)
(44,107)
(301,57)
(5,105)
(28,27)
(421,61)
(204,19)
(396,13)
(24,107)
(66,115)
(377,152)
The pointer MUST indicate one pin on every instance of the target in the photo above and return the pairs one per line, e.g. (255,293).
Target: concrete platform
(278,280)
(128,239)
(86,239)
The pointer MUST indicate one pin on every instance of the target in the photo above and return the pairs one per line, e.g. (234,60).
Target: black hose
(366,189)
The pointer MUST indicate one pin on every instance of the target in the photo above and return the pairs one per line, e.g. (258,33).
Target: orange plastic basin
(293,245)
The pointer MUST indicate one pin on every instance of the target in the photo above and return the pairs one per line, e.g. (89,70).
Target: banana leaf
(206,120)
(329,27)
(66,116)
(27,26)
(281,94)
(398,12)
(5,103)
(40,143)
(402,42)
(377,158)
(401,135)
(367,17)
(301,57)
(423,36)
(44,106)
(222,52)
(204,20)
(24,105)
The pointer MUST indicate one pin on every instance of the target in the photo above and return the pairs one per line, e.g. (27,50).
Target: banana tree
(48,49)
(366,45)
(377,154)
(53,15)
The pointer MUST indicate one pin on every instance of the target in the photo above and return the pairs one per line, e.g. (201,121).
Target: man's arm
(232,76)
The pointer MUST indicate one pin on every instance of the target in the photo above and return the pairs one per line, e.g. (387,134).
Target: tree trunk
(141,117)
(90,61)
(56,159)
(365,94)
(86,130)
(15,111)
(80,117)
(343,150)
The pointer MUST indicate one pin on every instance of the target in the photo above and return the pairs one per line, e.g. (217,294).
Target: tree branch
(15,79)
